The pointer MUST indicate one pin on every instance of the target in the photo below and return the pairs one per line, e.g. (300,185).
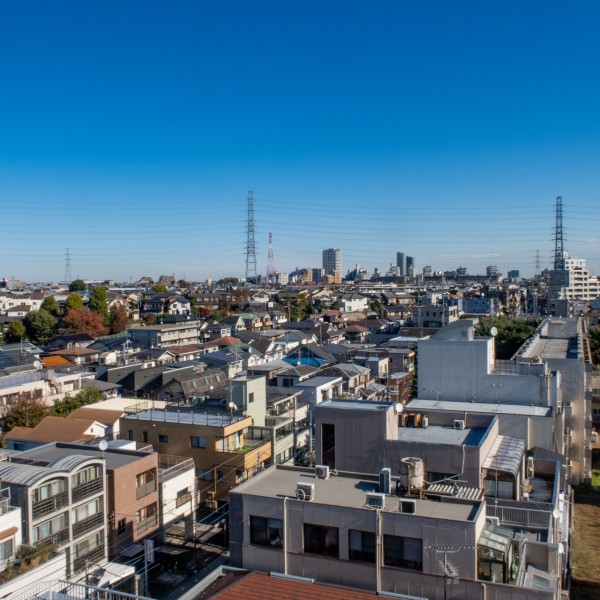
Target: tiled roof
(225,341)
(104,416)
(51,429)
(55,361)
(259,586)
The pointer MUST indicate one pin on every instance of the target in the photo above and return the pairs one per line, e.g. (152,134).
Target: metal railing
(56,539)
(87,489)
(41,508)
(142,491)
(87,524)
(145,525)
(74,591)
(509,515)
(91,557)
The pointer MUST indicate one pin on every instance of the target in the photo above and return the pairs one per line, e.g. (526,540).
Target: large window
(197,441)
(48,490)
(403,552)
(7,549)
(266,532)
(86,475)
(50,527)
(86,510)
(361,545)
(319,539)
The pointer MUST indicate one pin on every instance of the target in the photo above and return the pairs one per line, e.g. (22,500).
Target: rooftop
(188,417)
(346,490)
(479,407)
(437,434)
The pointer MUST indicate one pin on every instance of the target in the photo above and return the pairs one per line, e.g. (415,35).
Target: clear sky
(132,131)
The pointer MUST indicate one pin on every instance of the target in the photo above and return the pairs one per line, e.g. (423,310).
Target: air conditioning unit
(305,491)
(385,481)
(408,507)
(459,424)
(322,471)
(493,521)
(375,500)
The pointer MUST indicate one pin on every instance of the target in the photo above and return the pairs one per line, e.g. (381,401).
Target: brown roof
(259,586)
(55,361)
(74,352)
(226,340)
(8,532)
(52,429)
(106,417)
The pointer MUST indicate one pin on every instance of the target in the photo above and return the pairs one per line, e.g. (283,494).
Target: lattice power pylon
(271,273)
(251,275)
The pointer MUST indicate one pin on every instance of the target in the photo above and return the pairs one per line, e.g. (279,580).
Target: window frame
(317,540)
(266,531)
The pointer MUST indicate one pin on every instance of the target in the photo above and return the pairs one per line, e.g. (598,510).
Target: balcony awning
(506,455)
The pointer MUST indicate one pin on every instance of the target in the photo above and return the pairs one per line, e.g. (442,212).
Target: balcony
(41,508)
(144,490)
(89,488)
(145,525)
(88,524)
(92,557)
(56,539)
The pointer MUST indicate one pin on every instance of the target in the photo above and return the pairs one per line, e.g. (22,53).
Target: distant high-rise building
(406,264)
(514,274)
(317,275)
(492,271)
(332,262)
(427,271)
(410,266)
(461,271)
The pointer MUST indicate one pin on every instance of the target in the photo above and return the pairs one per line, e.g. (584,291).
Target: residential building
(332,263)
(168,334)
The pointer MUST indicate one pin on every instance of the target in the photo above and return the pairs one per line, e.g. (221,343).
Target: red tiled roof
(259,586)
(226,340)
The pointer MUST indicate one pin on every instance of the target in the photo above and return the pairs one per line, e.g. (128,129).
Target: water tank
(412,474)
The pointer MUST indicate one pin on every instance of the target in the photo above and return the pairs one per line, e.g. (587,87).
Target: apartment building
(168,334)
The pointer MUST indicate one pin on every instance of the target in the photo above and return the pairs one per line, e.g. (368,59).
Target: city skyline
(133,137)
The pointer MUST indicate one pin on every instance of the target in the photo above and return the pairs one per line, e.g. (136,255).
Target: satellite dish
(399,408)
(232,406)
(103,445)
(494,331)
(556,513)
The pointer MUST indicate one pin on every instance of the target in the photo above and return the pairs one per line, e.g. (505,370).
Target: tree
(77,286)
(99,302)
(25,412)
(64,407)
(183,284)
(118,319)
(50,305)
(40,326)
(82,320)
(511,334)
(73,300)
(159,287)
(16,332)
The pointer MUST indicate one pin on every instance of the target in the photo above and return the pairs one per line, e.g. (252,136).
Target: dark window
(328,444)
(361,545)
(197,442)
(121,526)
(250,397)
(403,552)
(130,434)
(319,539)
(266,532)
(163,438)
(145,436)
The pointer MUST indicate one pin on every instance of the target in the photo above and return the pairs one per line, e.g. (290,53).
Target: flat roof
(479,407)
(185,416)
(355,404)
(347,490)
(115,458)
(447,434)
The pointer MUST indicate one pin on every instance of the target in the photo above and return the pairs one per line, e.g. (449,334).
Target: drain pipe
(285,537)
(378,550)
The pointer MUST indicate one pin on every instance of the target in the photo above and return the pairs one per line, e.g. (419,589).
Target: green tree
(159,287)
(511,335)
(77,286)
(73,300)
(99,302)
(25,412)
(69,404)
(16,332)
(50,305)
(40,326)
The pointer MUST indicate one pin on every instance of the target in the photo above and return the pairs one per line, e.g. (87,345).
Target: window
(145,436)
(361,545)
(50,527)
(49,490)
(403,552)
(204,474)
(266,532)
(163,438)
(86,475)
(250,397)
(89,509)
(319,539)
(130,434)
(183,497)
(88,545)
(7,549)
(121,526)
(197,442)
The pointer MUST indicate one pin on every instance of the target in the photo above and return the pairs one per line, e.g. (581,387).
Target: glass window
(163,438)
(361,545)
(319,539)
(7,549)
(403,552)
(197,442)
(266,532)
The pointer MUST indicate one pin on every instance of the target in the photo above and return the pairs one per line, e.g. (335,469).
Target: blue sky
(131,133)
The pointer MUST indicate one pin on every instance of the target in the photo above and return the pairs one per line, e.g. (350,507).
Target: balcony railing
(145,525)
(56,539)
(143,490)
(87,524)
(41,508)
(92,557)
(87,489)
(185,499)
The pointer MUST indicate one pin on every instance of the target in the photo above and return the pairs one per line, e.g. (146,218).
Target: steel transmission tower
(68,277)
(559,250)
(270,261)
(251,276)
